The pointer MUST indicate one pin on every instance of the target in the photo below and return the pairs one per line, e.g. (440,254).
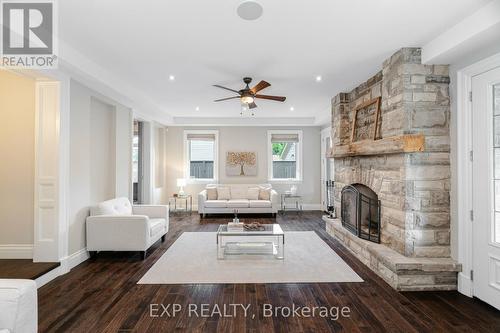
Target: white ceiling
(204,42)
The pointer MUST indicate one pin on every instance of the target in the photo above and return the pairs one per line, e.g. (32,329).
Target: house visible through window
(285,155)
(201,153)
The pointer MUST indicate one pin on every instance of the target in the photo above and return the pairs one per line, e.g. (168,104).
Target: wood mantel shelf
(392,145)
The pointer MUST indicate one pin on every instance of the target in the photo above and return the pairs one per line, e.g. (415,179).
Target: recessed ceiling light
(292,108)
(250,10)
(171,77)
(197,108)
(319,78)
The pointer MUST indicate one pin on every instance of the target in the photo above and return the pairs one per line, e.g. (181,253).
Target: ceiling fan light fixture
(247,99)
(250,10)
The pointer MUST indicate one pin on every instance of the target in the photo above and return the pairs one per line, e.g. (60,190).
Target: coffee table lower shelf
(250,248)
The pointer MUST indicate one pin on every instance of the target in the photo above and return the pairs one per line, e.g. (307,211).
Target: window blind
(201,137)
(284,138)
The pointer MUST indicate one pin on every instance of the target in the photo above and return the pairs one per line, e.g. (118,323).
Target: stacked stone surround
(413,188)
(401,272)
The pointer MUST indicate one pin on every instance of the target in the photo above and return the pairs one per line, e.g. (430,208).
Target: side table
(178,203)
(296,201)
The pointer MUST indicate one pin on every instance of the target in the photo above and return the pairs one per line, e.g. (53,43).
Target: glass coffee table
(270,241)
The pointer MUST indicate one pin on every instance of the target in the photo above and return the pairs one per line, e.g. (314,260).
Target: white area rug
(192,259)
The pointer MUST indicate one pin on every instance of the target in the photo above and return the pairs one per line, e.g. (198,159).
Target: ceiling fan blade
(273,98)
(222,87)
(252,105)
(261,85)
(225,99)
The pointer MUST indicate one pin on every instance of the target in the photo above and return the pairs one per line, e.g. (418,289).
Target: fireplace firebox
(360,212)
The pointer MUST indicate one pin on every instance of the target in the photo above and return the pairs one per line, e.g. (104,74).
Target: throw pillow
(223,193)
(253,193)
(211,193)
(265,194)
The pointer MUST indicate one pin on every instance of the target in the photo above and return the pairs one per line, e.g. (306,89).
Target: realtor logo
(28,30)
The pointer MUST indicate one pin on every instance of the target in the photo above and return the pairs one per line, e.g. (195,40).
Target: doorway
(137,162)
(326,165)
(486,186)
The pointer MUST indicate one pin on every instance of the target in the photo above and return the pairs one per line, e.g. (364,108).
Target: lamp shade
(181,182)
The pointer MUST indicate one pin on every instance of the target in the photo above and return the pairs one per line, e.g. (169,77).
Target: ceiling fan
(248,95)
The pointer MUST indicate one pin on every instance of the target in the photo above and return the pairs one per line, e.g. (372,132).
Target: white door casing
(486,208)
(47,136)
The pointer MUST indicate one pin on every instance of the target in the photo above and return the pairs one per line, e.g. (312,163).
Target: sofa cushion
(118,206)
(237,203)
(265,194)
(211,193)
(239,191)
(156,226)
(260,203)
(216,203)
(223,193)
(253,193)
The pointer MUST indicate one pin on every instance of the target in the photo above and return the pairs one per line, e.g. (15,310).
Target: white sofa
(239,200)
(117,225)
(18,306)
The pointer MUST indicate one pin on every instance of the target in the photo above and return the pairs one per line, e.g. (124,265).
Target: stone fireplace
(391,136)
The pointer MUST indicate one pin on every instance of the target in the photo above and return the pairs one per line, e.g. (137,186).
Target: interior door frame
(464,158)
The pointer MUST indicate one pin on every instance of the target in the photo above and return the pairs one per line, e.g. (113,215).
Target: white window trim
(187,173)
(299,160)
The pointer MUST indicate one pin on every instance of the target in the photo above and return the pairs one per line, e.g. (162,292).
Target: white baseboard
(49,276)
(75,259)
(16,251)
(312,207)
(67,264)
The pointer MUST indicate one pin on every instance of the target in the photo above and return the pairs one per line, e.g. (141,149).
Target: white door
(486,186)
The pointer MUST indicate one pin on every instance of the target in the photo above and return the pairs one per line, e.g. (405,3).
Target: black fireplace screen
(360,212)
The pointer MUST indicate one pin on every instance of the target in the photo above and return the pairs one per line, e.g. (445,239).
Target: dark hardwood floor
(24,268)
(102,296)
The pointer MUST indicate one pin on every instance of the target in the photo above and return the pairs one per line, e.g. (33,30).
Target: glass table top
(269,230)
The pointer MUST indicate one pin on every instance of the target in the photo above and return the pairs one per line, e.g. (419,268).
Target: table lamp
(181,182)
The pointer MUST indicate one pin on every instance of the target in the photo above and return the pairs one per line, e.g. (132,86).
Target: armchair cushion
(118,206)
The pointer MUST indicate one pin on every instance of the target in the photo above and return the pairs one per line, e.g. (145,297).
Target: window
(285,155)
(201,155)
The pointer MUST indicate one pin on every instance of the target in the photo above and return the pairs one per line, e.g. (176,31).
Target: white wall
(17,146)
(100,156)
(246,139)
(102,159)
(159,189)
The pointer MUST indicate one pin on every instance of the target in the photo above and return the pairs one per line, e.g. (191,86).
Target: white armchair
(18,306)
(116,225)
